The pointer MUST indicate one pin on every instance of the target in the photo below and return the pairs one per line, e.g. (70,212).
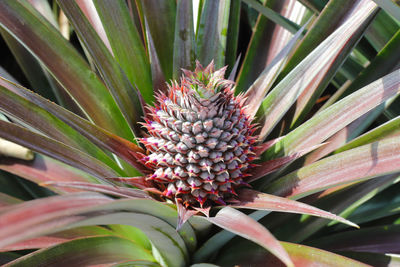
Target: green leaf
(302,256)
(390,7)
(55,149)
(37,217)
(42,120)
(64,62)
(102,138)
(212,32)
(160,18)
(280,99)
(352,165)
(166,242)
(43,169)
(331,120)
(121,89)
(127,45)
(233,35)
(184,43)
(274,16)
(84,252)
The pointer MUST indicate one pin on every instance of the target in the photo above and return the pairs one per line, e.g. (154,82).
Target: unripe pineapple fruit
(200,140)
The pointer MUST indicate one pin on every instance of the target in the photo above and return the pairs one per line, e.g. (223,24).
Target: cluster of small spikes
(200,142)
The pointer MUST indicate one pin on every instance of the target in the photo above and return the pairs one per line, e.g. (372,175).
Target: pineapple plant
(160,146)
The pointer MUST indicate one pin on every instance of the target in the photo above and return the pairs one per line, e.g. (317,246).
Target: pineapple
(201,140)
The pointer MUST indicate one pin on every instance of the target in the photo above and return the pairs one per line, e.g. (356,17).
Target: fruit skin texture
(200,140)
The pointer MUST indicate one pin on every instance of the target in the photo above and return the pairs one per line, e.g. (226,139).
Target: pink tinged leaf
(99,136)
(251,199)
(45,169)
(101,188)
(255,94)
(281,98)
(183,215)
(232,75)
(240,224)
(264,146)
(25,220)
(90,12)
(331,120)
(380,239)
(55,149)
(6,200)
(353,165)
(269,166)
(34,243)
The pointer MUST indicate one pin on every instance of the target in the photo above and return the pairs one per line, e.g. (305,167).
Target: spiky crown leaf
(200,143)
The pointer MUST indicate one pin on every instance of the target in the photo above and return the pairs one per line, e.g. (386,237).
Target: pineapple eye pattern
(201,141)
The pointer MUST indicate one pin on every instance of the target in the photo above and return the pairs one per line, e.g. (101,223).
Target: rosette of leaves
(146,158)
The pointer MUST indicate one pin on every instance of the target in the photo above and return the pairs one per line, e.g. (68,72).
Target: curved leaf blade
(55,149)
(250,199)
(239,223)
(353,165)
(47,123)
(84,252)
(336,117)
(127,45)
(64,62)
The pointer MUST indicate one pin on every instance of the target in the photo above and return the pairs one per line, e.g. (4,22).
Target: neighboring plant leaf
(274,16)
(240,224)
(166,241)
(55,149)
(184,43)
(336,117)
(281,98)
(101,188)
(44,169)
(160,19)
(64,62)
(85,252)
(255,94)
(31,218)
(121,89)
(102,138)
(353,165)
(390,7)
(211,36)
(379,239)
(127,45)
(42,120)
(301,255)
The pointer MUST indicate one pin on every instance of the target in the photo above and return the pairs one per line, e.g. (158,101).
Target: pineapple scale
(199,147)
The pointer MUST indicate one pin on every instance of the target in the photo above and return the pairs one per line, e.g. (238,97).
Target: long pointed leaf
(85,252)
(64,62)
(24,220)
(331,120)
(251,199)
(280,99)
(55,149)
(117,82)
(237,222)
(102,138)
(184,44)
(360,163)
(211,38)
(126,44)
(260,87)
(48,124)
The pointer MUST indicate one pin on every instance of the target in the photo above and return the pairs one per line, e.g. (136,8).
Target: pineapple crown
(206,82)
